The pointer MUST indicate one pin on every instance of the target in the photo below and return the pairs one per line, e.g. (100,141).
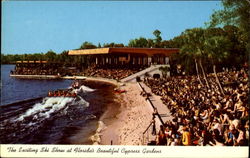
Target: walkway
(161,108)
(158,104)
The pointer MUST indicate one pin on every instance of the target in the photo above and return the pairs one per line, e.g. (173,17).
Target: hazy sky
(39,26)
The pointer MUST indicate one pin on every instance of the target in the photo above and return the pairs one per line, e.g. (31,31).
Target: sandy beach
(133,117)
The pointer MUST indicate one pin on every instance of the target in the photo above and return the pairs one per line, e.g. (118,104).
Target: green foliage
(50,56)
(226,41)
(12,58)
(99,45)
(113,45)
(158,39)
(176,42)
(237,13)
(87,45)
(148,43)
(106,45)
(219,46)
(138,42)
(193,42)
(234,13)
(119,45)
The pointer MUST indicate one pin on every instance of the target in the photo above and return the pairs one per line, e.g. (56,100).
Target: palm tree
(216,49)
(194,45)
(190,56)
(158,38)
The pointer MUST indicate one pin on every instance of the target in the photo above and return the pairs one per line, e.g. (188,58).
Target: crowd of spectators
(44,69)
(204,116)
(108,71)
(34,71)
(112,72)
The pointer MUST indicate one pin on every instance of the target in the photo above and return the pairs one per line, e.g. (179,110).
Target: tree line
(63,57)
(224,42)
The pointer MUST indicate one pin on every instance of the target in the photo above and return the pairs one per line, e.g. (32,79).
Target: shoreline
(112,105)
(127,126)
(64,77)
(123,125)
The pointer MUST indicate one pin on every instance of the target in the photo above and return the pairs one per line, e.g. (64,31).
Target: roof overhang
(125,50)
(89,51)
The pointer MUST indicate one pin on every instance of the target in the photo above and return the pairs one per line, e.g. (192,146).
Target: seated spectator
(211,117)
(186,137)
(161,136)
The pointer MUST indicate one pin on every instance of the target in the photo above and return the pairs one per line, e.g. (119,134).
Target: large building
(126,55)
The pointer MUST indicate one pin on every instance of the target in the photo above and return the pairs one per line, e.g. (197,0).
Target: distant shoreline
(65,77)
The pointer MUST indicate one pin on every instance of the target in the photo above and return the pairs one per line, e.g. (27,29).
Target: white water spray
(83,89)
(51,105)
(80,101)
(48,106)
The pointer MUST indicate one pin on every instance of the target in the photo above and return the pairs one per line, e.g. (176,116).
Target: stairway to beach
(153,69)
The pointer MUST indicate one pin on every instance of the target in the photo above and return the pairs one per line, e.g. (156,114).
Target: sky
(40,26)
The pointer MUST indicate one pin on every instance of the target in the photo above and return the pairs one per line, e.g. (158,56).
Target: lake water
(50,120)
(13,90)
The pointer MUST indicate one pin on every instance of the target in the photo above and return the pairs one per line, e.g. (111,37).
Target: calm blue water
(13,90)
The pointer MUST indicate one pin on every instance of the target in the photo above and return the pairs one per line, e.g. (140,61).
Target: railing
(157,114)
(162,122)
(143,134)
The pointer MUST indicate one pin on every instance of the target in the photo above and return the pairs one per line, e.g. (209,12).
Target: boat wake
(47,107)
(59,111)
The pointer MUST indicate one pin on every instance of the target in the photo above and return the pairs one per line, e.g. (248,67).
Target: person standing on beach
(153,126)
(153,121)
